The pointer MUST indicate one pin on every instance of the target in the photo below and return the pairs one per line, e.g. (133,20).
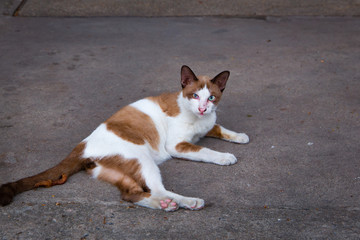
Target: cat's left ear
(221,79)
(187,76)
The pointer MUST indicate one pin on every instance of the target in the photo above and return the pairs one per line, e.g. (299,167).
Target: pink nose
(202,110)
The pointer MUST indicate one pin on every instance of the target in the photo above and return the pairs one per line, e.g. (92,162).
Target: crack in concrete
(17,10)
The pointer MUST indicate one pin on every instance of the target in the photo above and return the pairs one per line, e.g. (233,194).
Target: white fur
(96,171)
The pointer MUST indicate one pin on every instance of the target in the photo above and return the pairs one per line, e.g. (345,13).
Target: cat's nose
(202,110)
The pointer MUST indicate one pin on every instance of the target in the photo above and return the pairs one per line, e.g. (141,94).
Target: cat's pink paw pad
(168,205)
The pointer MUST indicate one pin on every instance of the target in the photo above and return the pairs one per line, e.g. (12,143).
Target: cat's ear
(221,79)
(187,76)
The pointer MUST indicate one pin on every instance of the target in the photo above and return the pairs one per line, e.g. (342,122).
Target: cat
(127,148)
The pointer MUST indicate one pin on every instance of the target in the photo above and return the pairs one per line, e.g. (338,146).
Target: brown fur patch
(125,174)
(204,78)
(190,89)
(215,91)
(216,133)
(134,126)
(187,147)
(168,103)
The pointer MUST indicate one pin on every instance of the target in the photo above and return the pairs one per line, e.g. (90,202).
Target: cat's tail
(72,164)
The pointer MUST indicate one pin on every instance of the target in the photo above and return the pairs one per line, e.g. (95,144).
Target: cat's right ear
(187,76)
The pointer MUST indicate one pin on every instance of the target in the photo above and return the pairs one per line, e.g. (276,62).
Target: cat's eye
(211,98)
(195,96)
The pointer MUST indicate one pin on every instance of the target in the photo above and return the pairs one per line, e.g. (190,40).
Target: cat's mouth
(201,114)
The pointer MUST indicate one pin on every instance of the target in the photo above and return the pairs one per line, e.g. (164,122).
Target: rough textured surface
(242,8)
(9,7)
(294,88)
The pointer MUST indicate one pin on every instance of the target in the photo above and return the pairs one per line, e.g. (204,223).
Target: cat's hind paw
(192,203)
(169,205)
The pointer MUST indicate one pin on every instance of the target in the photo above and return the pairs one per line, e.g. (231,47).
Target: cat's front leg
(220,132)
(194,152)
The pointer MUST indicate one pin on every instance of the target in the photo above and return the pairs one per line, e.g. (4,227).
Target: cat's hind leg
(143,188)
(160,195)
(126,176)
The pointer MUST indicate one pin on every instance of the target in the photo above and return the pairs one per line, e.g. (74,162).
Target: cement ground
(169,8)
(294,89)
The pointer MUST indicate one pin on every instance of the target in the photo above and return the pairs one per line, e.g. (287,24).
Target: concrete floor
(294,89)
(169,8)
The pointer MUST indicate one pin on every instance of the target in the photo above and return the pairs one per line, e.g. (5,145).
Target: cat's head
(202,92)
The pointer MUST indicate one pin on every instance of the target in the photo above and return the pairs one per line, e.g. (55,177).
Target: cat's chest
(198,127)
(191,129)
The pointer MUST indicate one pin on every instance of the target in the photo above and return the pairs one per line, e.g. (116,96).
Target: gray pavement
(294,89)
(243,8)
(238,8)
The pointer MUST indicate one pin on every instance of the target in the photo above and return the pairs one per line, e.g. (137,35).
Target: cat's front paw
(226,159)
(241,138)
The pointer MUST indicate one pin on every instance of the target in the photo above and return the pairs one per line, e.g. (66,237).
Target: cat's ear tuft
(187,76)
(221,79)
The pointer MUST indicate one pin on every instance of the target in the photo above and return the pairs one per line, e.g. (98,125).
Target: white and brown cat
(127,148)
